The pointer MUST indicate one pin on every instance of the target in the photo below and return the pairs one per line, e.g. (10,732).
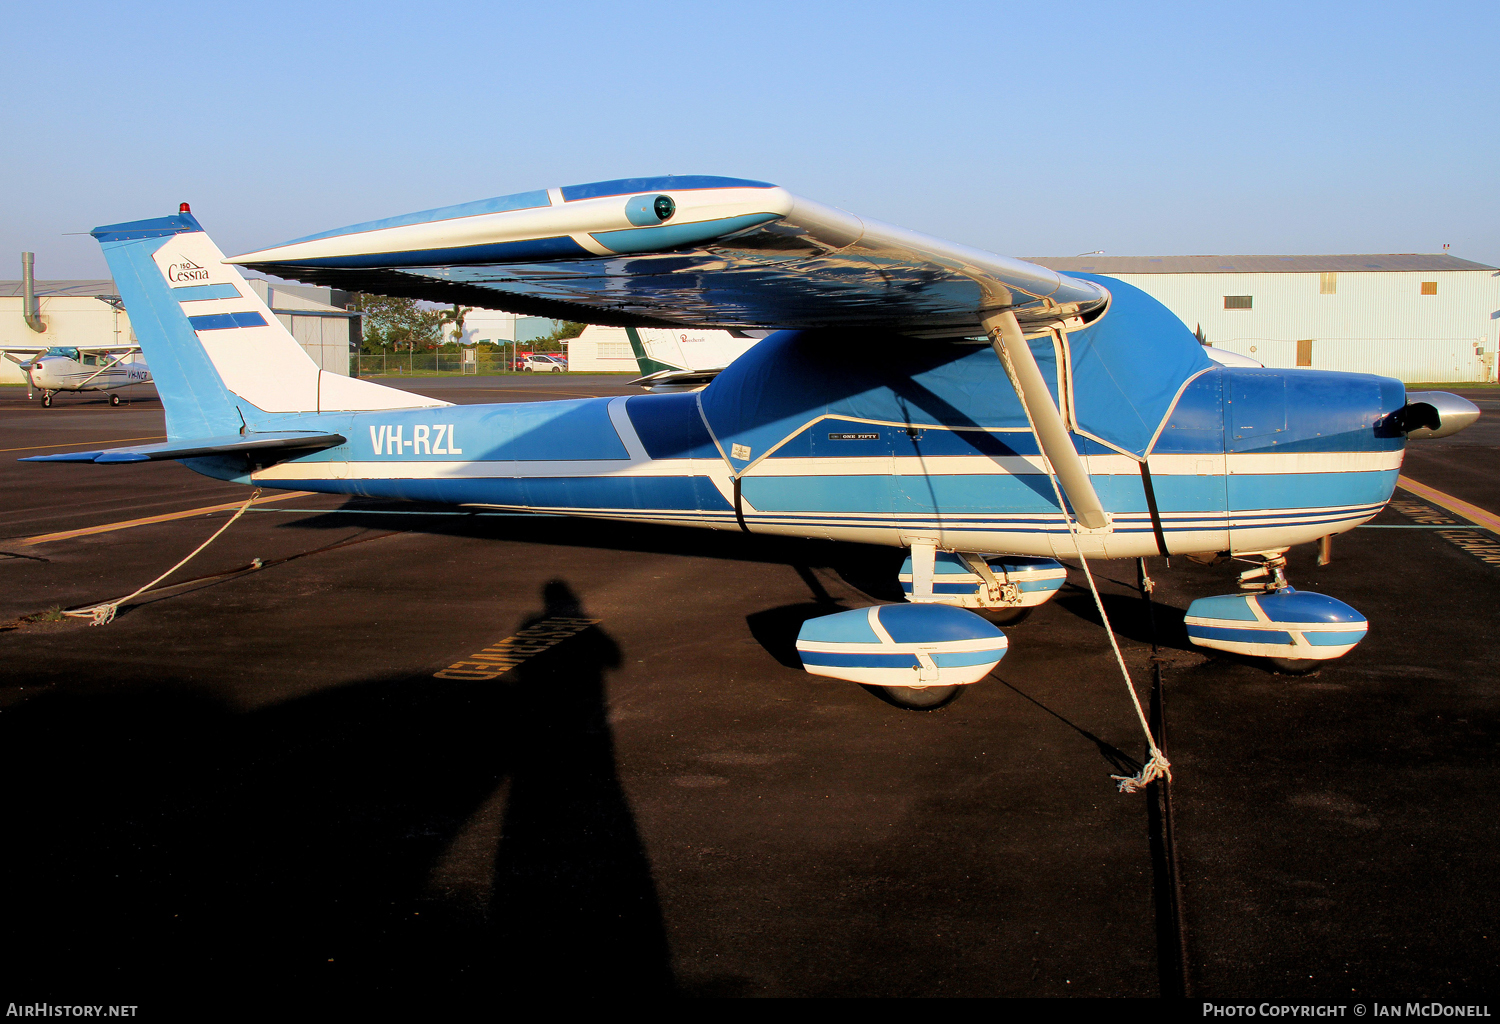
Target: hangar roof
(1356,263)
(87,289)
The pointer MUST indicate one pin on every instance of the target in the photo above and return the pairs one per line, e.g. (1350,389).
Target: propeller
(1434,414)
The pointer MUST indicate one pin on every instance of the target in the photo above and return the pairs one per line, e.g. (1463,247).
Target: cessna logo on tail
(186,270)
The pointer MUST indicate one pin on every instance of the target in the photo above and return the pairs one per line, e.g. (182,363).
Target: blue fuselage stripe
(568,456)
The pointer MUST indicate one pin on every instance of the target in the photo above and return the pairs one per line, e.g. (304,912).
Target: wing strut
(1051,433)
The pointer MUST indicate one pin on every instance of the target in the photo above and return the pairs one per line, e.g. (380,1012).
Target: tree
(390,322)
(455,316)
(566,329)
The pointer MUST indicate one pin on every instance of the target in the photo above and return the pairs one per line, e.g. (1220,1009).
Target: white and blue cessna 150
(988,414)
(79,368)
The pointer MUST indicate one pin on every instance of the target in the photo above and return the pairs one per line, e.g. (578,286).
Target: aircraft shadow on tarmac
(1129,616)
(164,846)
(870,569)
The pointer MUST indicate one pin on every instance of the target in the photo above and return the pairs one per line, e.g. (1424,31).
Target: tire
(114,399)
(557,369)
(46,401)
(1004,616)
(1295,666)
(927,698)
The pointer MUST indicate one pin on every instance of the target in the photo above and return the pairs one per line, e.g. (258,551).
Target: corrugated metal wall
(324,338)
(1374,322)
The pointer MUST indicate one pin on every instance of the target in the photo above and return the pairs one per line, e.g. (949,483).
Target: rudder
(220,358)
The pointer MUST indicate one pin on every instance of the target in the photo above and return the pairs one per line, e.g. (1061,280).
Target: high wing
(39,349)
(730,252)
(24,354)
(699,250)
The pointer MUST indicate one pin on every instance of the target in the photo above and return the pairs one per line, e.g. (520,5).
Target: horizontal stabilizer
(197,446)
(677,378)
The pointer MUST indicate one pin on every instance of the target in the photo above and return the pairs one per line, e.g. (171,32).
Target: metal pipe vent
(32,309)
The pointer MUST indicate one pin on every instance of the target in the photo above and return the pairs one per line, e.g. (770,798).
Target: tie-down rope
(104,613)
(1157,767)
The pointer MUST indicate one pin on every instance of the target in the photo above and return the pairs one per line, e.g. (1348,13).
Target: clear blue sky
(1027,129)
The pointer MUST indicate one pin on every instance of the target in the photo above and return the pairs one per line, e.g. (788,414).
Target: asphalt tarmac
(254,787)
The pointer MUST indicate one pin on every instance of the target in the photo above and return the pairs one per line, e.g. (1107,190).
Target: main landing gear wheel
(114,399)
(1004,616)
(1295,666)
(46,401)
(923,698)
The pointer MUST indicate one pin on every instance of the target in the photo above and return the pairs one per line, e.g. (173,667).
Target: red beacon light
(184,208)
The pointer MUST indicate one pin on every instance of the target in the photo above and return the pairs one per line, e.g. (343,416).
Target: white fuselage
(63,373)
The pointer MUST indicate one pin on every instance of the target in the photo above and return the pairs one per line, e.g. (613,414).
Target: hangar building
(90,313)
(74,312)
(316,317)
(1413,316)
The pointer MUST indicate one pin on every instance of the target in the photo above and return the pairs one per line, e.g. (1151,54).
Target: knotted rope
(1157,766)
(104,613)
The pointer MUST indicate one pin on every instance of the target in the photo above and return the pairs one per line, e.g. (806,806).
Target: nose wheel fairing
(1294,629)
(1288,624)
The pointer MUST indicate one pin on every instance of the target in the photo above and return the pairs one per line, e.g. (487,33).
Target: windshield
(71,353)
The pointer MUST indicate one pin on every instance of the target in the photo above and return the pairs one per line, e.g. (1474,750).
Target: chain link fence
(421,364)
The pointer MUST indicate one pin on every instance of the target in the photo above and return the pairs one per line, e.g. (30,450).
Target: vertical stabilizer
(647,364)
(216,352)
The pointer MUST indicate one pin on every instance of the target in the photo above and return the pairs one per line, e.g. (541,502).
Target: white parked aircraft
(686,360)
(79,368)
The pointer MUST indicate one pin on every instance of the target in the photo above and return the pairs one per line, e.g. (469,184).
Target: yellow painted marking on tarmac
(1459,507)
(87,531)
(503,655)
(86,444)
